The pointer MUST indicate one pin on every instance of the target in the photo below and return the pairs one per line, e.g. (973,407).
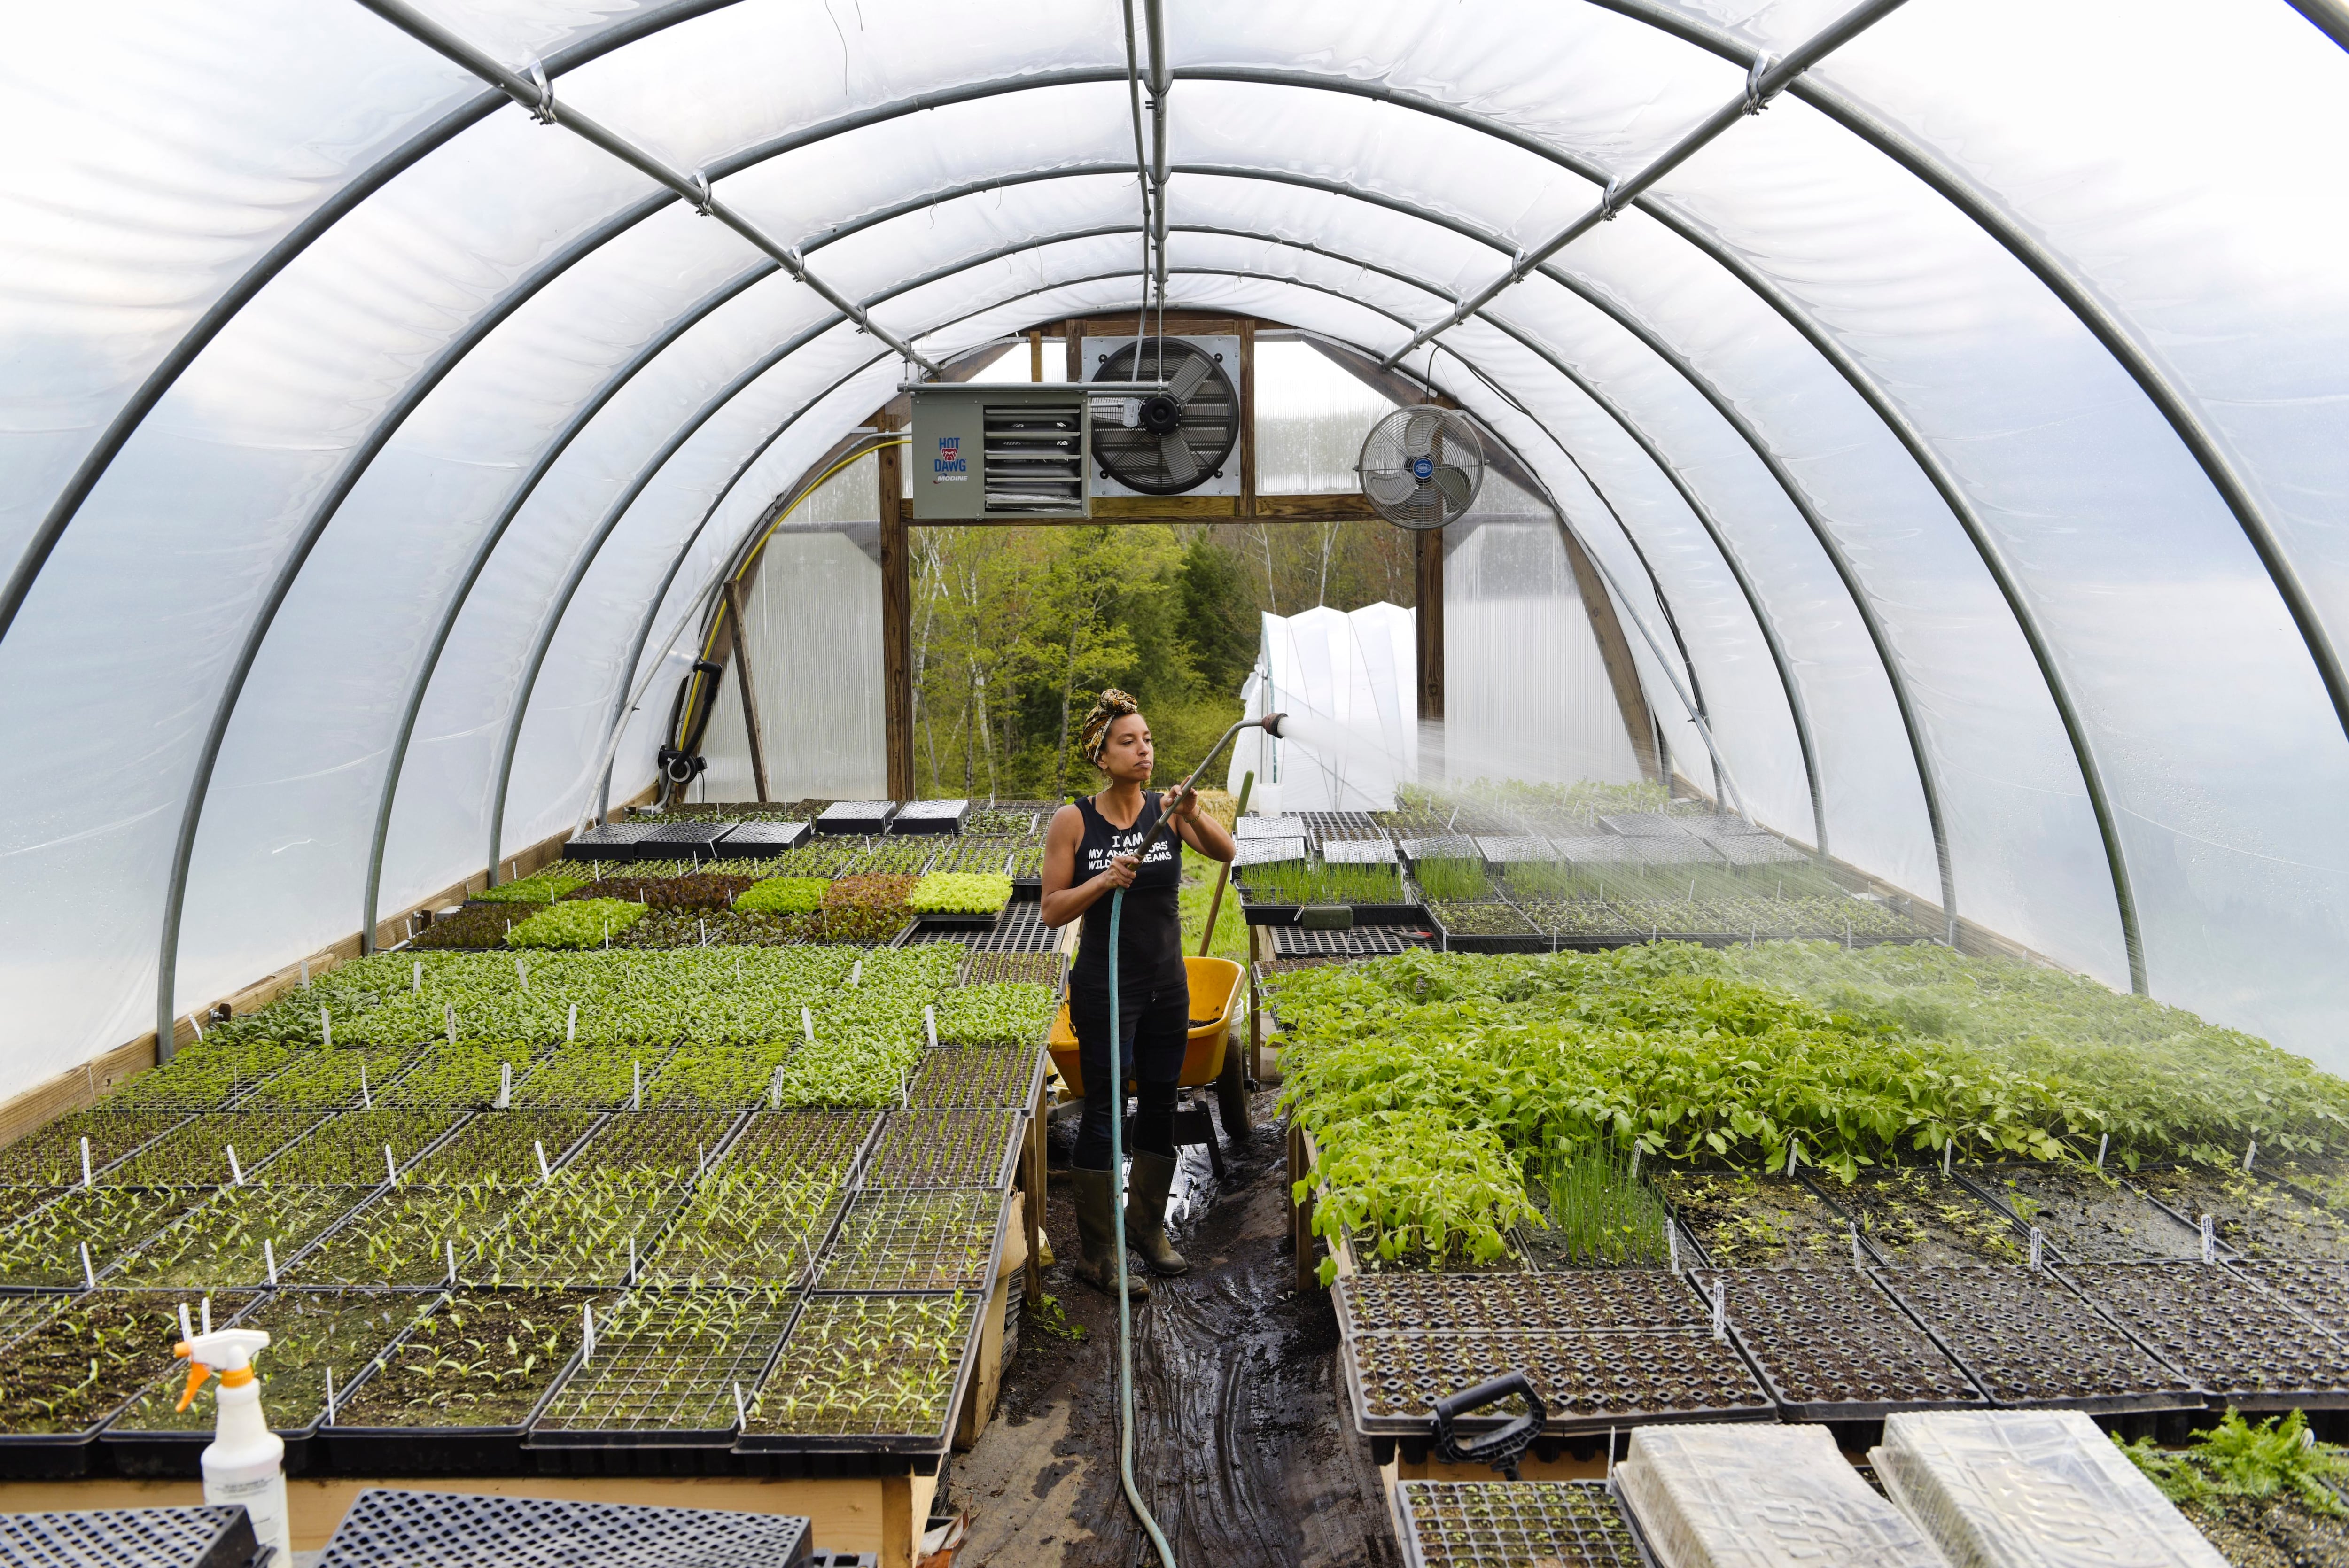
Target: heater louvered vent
(1035,459)
(984,453)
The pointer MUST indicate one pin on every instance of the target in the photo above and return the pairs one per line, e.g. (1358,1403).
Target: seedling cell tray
(856,817)
(761,841)
(666,1366)
(930,817)
(2252,1217)
(1452,940)
(1590,1382)
(2318,1292)
(609,841)
(960,919)
(386,1528)
(937,1240)
(2242,1344)
(51,1410)
(2027,1339)
(1584,1301)
(694,841)
(932,1149)
(1831,1346)
(911,1394)
(2084,1218)
(130,1538)
(1509,1524)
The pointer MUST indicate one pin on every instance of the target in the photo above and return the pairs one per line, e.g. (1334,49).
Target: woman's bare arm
(1201,832)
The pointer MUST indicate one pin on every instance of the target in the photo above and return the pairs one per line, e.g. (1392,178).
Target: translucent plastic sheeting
(1310,420)
(1347,678)
(1525,692)
(1761,1497)
(2032,1489)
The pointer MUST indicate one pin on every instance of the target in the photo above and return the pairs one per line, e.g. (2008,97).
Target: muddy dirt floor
(1240,1443)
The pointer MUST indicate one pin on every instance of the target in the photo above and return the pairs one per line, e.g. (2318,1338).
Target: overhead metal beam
(297,239)
(1763,81)
(694,187)
(1162,84)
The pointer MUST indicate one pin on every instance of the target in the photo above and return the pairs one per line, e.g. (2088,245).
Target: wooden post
(896,621)
(1429,547)
(1075,344)
(737,602)
(1615,653)
(1036,354)
(1300,1223)
(1247,417)
(1033,1159)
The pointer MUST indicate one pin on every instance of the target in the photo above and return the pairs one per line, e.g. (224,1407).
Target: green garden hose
(1125,1302)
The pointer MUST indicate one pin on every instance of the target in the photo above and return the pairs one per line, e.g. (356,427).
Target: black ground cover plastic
(311,1333)
(1588,1382)
(944,1149)
(2243,1344)
(1586,1301)
(2026,1339)
(457,1390)
(2317,1291)
(868,1373)
(929,1240)
(67,1377)
(130,1538)
(387,1529)
(2251,1216)
(2085,1218)
(1510,1524)
(665,1370)
(1914,1217)
(1743,1221)
(1831,1346)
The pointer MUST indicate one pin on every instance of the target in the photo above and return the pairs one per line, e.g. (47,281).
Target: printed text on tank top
(1096,855)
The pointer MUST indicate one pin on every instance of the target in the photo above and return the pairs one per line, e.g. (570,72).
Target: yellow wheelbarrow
(1218,1003)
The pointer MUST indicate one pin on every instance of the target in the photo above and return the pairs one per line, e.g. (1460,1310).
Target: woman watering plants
(1088,854)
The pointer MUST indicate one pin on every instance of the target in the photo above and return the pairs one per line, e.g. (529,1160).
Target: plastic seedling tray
(803,1142)
(50,1156)
(680,1143)
(1912,1216)
(43,1251)
(610,841)
(1371,942)
(868,1373)
(1831,1346)
(146,1537)
(1442,847)
(1588,1382)
(856,817)
(503,1144)
(1359,852)
(1514,849)
(2082,1217)
(1587,1300)
(54,1402)
(1483,925)
(1020,929)
(578,1231)
(1254,826)
(311,1333)
(761,841)
(20,1315)
(960,919)
(387,1529)
(694,841)
(196,1152)
(402,1237)
(230,1241)
(583,1076)
(975,1076)
(331,1079)
(2027,1339)
(923,1149)
(2243,1344)
(450,1397)
(665,1370)
(2319,1292)
(1741,1221)
(1509,1524)
(923,1241)
(349,1150)
(930,817)
(2252,1217)
(746,1224)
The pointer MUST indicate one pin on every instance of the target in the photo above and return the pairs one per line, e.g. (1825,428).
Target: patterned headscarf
(1093,740)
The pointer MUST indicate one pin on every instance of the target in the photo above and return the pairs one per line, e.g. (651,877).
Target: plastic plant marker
(636,1093)
(1673,1245)
(448,1014)
(416,978)
(571,1030)
(2104,1141)
(367,1096)
(1858,1258)
(85,1163)
(1792,1146)
(1720,1308)
(588,1332)
(505,1085)
(196,1024)
(2210,1240)
(545,1173)
(235,1171)
(1946,1146)
(807,1025)
(186,1332)
(451,1245)
(269,1257)
(330,1395)
(930,1025)
(856,974)
(775,1089)
(521,975)
(90,1274)
(741,1417)
(390,1166)
(632,1259)
(306,982)
(207,1318)
(2038,1242)
(326,1028)
(2251,1152)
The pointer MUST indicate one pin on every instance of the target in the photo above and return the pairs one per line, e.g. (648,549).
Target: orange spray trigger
(197,1373)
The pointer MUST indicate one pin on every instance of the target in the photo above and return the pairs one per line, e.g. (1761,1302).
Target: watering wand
(244,1467)
(1271,723)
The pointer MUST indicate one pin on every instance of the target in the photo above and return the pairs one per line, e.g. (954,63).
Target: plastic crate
(387,1529)
(930,817)
(856,817)
(130,1538)
(679,841)
(608,841)
(761,841)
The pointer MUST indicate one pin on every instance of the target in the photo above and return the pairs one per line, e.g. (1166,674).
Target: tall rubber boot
(1152,1179)
(1096,1207)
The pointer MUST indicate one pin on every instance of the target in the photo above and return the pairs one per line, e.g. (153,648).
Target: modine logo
(949,466)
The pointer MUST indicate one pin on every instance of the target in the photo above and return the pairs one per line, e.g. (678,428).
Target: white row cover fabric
(319,345)
(1345,677)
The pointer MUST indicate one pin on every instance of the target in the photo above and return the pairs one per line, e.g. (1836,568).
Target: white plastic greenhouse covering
(1977,405)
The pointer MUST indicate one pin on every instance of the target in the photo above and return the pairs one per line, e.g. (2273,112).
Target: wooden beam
(1131,509)
(1166,508)
(1615,653)
(736,601)
(1179,323)
(1036,354)
(1336,506)
(896,621)
(1428,547)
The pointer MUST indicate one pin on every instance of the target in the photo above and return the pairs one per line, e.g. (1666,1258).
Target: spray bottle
(245,1465)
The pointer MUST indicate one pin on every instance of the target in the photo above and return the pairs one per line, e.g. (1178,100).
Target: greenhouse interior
(1656,679)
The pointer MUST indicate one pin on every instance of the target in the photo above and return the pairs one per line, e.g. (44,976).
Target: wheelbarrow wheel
(1231,1094)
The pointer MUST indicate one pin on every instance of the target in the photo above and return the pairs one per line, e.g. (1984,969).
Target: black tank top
(1150,932)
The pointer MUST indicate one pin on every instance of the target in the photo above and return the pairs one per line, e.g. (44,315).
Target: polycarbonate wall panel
(1525,693)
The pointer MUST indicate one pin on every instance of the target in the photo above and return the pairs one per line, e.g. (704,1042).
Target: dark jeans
(1157,1025)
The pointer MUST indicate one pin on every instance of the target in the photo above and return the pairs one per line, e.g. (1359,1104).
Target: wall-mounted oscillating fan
(1421,467)
(1179,439)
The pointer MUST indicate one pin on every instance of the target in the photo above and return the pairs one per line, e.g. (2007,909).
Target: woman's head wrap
(1093,740)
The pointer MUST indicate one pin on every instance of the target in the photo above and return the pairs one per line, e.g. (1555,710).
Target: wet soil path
(1241,1445)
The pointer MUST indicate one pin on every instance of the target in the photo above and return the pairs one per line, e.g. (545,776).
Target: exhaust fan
(1178,440)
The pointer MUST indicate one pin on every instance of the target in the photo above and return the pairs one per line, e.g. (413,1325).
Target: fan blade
(1389,488)
(1419,433)
(1182,465)
(1457,489)
(1188,377)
